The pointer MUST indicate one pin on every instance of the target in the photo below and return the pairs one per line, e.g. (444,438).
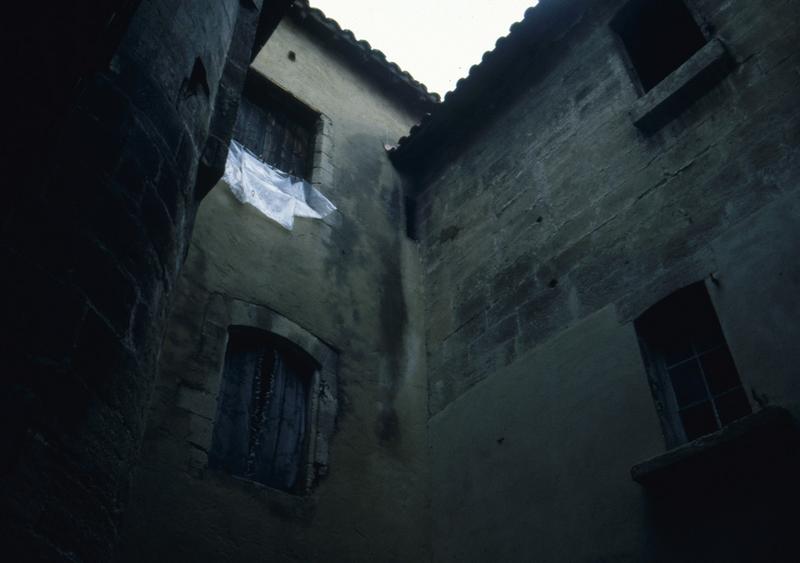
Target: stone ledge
(684,86)
(744,446)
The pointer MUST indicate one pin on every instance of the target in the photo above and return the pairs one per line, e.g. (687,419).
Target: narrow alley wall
(555,225)
(112,110)
(350,280)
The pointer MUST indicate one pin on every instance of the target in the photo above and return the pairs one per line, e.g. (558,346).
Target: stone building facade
(560,199)
(551,318)
(118,118)
(345,289)
(496,396)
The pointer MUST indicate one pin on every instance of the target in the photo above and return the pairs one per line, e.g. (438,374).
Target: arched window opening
(263,423)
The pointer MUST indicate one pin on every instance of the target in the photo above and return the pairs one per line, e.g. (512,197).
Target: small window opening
(694,377)
(411,217)
(659,36)
(262,424)
(276,127)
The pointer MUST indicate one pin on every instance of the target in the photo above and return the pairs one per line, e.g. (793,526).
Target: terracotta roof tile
(478,84)
(362,52)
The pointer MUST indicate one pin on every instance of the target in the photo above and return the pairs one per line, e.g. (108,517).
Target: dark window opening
(659,36)
(690,363)
(262,423)
(411,217)
(277,128)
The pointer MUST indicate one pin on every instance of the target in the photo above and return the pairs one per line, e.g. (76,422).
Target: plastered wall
(351,281)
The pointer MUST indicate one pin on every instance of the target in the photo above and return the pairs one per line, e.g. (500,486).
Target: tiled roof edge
(363,52)
(474,88)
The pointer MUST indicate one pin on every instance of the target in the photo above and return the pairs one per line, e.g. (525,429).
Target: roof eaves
(479,84)
(362,53)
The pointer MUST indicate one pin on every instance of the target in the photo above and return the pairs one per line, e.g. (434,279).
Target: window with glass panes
(694,378)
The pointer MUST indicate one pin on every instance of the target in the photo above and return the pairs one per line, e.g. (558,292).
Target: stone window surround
(670,97)
(698,18)
(322,158)
(660,382)
(198,394)
(731,448)
(728,450)
(679,90)
(322,164)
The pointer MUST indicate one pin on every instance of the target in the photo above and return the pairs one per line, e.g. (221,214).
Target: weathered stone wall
(351,281)
(95,229)
(553,226)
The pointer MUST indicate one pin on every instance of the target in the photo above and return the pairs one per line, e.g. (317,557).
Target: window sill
(679,90)
(298,508)
(750,444)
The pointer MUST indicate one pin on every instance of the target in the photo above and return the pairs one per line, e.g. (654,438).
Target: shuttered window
(276,128)
(262,410)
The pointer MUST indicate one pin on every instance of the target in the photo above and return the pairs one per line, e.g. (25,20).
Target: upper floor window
(693,376)
(261,431)
(276,127)
(659,36)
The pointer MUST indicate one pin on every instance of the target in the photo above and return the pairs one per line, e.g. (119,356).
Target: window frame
(200,396)
(662,388)
(279,345)
(261,90)
(616,23)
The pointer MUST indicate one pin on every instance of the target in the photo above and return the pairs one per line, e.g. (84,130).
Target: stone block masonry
(94,235)
(551,222)
(558,205)
(351,282)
